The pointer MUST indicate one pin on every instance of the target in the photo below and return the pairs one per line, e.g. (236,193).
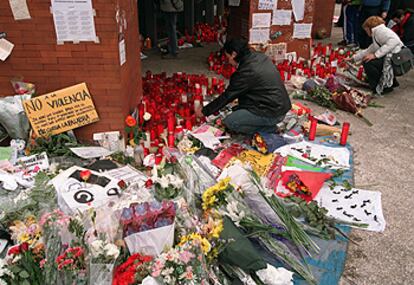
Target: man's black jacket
(258,87)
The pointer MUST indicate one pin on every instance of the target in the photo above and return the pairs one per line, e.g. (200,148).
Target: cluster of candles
(314,125)
(218,63)
(172,102)
(203,33)
(325,61)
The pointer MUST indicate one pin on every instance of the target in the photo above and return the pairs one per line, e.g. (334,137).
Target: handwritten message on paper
(261,20)
(61,111)
(259,36)
(302,31)
(267,4)
(282,17)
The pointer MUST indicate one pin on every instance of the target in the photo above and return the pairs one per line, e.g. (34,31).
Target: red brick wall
(239,15)
(38,59)
(323,17)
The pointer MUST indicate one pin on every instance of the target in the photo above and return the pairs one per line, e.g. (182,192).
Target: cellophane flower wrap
(148,228)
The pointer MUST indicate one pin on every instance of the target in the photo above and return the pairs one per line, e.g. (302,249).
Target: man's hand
(384,15)
(199,112)
(369,57)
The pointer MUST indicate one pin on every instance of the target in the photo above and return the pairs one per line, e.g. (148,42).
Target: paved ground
(384,158)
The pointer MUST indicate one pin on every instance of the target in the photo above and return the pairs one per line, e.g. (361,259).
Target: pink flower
(67,262)
(189,273)
(156,273)
(42,263)
(169,257)
(186,256)
(158,265)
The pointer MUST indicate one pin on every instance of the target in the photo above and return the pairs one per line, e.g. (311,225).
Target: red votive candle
(171,140)
(171,123)
(312,129)
(153,134)
(344,134)
(188,125)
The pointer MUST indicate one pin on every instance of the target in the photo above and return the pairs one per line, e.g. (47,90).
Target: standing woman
(377,57)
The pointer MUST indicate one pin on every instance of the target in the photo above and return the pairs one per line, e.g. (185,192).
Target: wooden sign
(61,111)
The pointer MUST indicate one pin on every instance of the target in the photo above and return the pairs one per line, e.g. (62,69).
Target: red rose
(85,174)
(14,250)
(149,183)
(24,247)
(122,184)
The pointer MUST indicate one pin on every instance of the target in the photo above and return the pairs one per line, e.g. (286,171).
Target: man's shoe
(170,56)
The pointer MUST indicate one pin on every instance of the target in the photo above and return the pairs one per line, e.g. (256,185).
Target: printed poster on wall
(61,111)
(267,4)
(74,21)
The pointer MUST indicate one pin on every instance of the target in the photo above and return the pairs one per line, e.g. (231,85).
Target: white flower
(4,271)
(147,116)
(111,250)
(16,259)
(97,247)
(163,181)
(234,213)
(275,276)
(175,181)
(167,271)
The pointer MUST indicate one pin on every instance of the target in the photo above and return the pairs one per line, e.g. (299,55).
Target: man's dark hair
(240,46)
(398,14)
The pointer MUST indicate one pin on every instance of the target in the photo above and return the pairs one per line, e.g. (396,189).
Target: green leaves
(23,274)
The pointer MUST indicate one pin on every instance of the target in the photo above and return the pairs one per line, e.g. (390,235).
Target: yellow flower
(205,245)
(217,229)
(30,220)
(24,237)
(132,142)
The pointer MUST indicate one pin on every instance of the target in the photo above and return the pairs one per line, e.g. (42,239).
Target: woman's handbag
(402,62)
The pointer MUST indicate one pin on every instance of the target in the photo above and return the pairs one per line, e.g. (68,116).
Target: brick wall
(323,18)
(37,58)
(239,16)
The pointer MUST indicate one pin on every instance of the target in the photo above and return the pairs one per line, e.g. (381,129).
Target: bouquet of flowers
(23,265)
(103,257)
(182,265)
(72,265)
(133,271)
(149,227)
(168,183)
(28,231)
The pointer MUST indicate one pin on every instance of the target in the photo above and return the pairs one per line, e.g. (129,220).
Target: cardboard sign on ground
(61,111)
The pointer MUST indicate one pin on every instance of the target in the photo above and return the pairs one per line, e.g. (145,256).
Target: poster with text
(74,20)
(61,111)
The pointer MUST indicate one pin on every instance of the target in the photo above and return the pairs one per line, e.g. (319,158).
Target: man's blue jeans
(171,21)
(245,122)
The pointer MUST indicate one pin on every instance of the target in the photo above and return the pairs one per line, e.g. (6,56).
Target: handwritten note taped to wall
(61,111)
